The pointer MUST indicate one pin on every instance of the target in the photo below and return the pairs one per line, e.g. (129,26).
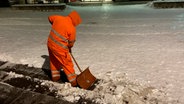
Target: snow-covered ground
(144,43)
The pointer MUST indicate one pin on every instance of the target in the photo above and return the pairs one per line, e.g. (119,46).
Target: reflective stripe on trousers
(71,77)
(55,75)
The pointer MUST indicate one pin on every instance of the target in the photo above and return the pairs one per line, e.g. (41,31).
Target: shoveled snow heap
(109,90)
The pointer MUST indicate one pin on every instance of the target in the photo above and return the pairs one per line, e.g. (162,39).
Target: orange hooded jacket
(62,37)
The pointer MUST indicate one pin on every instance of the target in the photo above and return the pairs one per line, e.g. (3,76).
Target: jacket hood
(75,17)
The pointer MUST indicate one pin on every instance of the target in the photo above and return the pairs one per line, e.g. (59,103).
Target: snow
(119,90)
(142,43)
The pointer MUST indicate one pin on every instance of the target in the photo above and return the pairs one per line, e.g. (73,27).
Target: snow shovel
(85,79)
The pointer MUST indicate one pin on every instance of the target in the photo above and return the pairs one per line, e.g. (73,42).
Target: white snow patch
(14,75)
(5,57)
(116,90)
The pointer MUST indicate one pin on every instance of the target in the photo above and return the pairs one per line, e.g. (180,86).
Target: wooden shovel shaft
(76,63)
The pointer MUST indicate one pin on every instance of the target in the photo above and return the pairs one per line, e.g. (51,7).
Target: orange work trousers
(62,60)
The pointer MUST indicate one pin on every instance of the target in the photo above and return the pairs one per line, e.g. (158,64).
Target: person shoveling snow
(60,41)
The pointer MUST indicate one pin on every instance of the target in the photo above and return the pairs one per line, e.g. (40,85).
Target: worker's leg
(68,68)
(62,59)
(55,66)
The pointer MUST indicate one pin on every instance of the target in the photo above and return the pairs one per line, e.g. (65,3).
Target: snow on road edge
(111,89)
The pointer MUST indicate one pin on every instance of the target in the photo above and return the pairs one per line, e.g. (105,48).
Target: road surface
(144,43)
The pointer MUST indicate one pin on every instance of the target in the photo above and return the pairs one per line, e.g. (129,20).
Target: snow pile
(116,90)
(111,89)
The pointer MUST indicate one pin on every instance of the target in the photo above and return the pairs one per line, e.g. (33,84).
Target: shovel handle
(76,62)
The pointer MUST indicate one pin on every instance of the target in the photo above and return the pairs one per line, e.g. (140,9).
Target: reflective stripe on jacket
(63,32)
(57,41)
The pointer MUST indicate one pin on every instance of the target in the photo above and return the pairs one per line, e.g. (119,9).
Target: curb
(40,7)
(78,3)
(162,4)
(85,3)
(62,6)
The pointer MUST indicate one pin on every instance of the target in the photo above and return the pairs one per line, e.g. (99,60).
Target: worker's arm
(71,43)
(72,38)
(52,18)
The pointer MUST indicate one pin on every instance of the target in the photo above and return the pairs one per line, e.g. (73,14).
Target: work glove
(70,50)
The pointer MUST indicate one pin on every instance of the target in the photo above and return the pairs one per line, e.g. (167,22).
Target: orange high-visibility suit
(60,41)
